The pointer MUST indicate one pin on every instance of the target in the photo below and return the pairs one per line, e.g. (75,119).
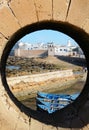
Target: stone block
(35,125)
(86,25)
(78,12)
(6,119)
(22,125)
(3,3)
(44,9)
(8,22)
(60,128)
(3,41)
(49,127)
(76,129)
(85,128)
(24,11)
(60,9)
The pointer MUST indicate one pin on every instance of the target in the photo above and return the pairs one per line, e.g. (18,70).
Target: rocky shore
(25,66)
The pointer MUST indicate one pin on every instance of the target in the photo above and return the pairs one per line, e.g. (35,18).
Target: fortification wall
(41,77)
(30,53)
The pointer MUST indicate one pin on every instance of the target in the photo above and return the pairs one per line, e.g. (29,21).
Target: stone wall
(30,53)
(14,15)
(41,77)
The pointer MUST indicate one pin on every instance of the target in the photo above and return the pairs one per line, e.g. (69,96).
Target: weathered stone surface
(3,41)
(86,25)
(79,13)
(24,11)
(3,3)
(10,116)
(60,128)
(44,9)
(49,127)
(5,117)
(22,125)
(60,8)
(85,128)
(76,129)
(35,125)
(8,23)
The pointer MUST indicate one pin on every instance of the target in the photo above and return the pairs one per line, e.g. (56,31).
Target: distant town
(29,50)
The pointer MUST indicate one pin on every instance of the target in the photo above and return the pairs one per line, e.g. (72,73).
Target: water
(12,67)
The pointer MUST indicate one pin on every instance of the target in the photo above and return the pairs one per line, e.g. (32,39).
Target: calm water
(12,67)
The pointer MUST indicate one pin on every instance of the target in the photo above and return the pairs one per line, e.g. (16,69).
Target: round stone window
(63,116)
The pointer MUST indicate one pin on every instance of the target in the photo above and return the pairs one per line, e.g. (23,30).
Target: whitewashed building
(50,48)
(67,50)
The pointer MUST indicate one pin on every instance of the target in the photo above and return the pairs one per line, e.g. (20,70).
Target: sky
(45,36)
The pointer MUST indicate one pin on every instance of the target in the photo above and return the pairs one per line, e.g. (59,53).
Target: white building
(29,46)
(53,49)
(66,50)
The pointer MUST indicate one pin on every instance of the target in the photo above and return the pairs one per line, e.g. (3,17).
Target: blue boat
(45,108)
(57,96)
(49,104)
(50,109)
(53,96)
(44,99)
(74,96)
(53,102)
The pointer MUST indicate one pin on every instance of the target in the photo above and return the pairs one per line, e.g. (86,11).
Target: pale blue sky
(46,36)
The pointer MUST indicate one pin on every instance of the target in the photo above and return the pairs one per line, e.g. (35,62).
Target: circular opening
(46,70)
(81,38)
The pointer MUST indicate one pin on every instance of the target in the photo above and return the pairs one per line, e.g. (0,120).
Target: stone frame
(70,115)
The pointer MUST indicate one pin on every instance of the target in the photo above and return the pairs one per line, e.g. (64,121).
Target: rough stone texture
(3,41)
(49,127)
(3,3)
(79,13)
(8,23)
(65,74)
(76,129)
(60,8)
(86,25)
(60,128)
(24,11)
(30,53)
(85,128)
(17,13)
(43,9)
(10,114)
(35,125)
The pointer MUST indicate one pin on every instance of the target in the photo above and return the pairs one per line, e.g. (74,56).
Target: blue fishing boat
(50,109)
(49,104)
(74,96)
(52,96)
(45,108)
(63,101)
(53,102)
(57,96)
(39,99)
